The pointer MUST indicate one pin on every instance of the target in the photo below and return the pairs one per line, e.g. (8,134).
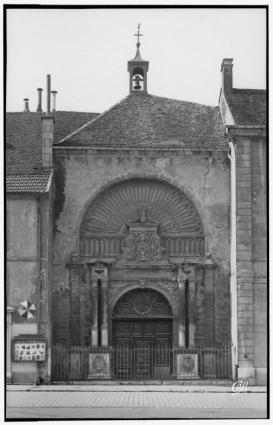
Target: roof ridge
(93,120)
(53,113)
(182,101)
(248,91)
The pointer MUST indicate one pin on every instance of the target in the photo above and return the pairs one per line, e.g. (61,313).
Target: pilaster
(246,371)
(75,307)
(209,269)
(94,326)
(192,326)
(104,310)
(181,312)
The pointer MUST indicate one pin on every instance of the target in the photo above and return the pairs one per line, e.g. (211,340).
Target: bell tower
(138,69)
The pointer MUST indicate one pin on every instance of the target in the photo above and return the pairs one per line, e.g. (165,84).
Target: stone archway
(104,225)
(142,318)
(142,335)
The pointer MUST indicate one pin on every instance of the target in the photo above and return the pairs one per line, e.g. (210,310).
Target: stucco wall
(205,179)
(21,252)
(29,233)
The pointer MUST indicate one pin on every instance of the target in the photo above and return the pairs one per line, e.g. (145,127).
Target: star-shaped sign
(28,311)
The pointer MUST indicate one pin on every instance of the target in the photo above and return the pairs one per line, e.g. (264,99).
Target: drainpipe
(233,261)
(38,289)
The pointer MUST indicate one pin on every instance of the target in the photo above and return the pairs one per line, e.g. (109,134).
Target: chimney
(48,96)
(226,69)
(26,105)
(54,100)
(48,132)
(39,107)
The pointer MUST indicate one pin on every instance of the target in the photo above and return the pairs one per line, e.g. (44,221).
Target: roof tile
(28,183)
(146,121)
(248,107)
(24,137)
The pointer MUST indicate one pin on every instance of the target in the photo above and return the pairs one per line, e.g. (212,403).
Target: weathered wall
(22,228)
(259,252)
(251,258)
(28,273)
(205,179)
(21,252)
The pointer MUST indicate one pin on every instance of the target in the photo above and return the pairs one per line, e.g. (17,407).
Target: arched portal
(142,318)
(142,335)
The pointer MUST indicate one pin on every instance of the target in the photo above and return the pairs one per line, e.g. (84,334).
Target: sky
(86,53)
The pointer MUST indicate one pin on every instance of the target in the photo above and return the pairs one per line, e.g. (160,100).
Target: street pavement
(131,402)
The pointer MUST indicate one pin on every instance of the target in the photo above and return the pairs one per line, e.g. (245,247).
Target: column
(181,312)
(192,326)
(94,328)
(75,305)
(209,302)
(104,311)
(10,310)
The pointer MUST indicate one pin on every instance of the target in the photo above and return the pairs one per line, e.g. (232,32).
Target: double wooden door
(142,348)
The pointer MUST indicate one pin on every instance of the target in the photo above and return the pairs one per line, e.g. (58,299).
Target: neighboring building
(244,114)
(29,194)
(135,248)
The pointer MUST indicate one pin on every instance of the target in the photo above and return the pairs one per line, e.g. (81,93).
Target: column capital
(104,282)
(10,309)
(182,328)
(182,284)
(192,285)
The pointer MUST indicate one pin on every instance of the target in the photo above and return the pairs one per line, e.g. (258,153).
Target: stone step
(206,382)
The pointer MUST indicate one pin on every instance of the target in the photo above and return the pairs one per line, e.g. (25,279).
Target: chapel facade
(147,266)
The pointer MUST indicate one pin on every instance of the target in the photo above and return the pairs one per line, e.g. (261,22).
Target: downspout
(233,261)
(38,310)
(38,265)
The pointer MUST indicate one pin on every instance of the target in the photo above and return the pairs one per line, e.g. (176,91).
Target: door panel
(142,358)
(158,330)
(146,353)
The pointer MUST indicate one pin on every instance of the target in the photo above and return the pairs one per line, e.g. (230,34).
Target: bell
(137,86)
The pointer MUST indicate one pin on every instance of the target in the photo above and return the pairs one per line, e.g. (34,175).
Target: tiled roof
(24,136)
(146,121)
(248,107)
(28,183)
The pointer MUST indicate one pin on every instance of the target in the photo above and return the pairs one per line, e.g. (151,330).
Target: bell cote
(138,69)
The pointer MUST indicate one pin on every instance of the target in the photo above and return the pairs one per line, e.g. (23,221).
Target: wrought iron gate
(140,364)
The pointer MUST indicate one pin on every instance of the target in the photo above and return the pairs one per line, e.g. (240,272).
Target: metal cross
(138,35)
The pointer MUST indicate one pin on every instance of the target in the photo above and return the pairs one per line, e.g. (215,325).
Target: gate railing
(140,364)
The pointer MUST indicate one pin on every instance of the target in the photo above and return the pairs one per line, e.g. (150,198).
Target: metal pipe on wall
(233,261)
(48,95)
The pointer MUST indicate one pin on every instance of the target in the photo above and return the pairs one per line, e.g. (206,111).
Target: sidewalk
(132,388)
(133,402)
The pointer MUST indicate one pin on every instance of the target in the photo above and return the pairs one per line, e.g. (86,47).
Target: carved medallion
(142,303)
(143,244)
(188,363)
(143,247)
(99,363)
